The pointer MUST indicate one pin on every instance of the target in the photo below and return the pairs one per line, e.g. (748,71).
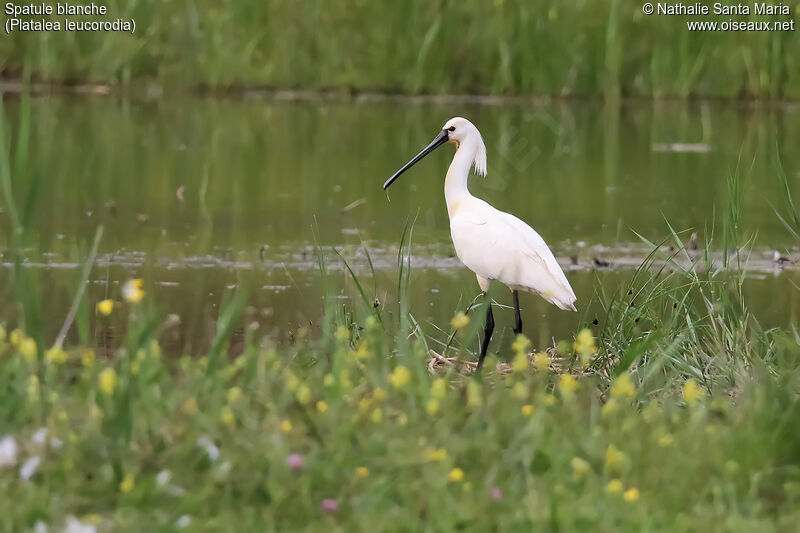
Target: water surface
(199,195)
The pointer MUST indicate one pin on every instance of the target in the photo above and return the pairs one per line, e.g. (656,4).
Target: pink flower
(295,462)
(330,506)
(497,494)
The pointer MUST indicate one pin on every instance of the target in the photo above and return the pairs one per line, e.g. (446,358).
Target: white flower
(209,447)
(8,451)
(76,526)
(183,522)
(29,467)
(39,436)
(56,443)
(163,478)
(40,527)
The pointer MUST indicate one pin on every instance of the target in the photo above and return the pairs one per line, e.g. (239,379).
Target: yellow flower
(474,394)
(291,381)
(234,395)
(460,320)
(189,407)
(362,472)
(108,381)
(132,290)
(521,344)
(16,337)
(328,380)
(322,406)
(27,347)
(363,351)
(436,455)
(527,410)
(610,407)
(567,384)
(666,440)
(623,387)
(87,357)
(371,323)
(304,394)
(379,394)
(692,391)
(432,407)
(439,388)
(342,333)
(520,362)
(456,475)
(104,307)
(286,426)
(127,484)
(614,486)
(364,404)
(377,415)
(541,361)
(580,467)
(55,355)
(400,377)
(614,458)
(631,495)
(227,416)
(584,345)
(548,400)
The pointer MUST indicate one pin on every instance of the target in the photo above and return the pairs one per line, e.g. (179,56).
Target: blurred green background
(499,47)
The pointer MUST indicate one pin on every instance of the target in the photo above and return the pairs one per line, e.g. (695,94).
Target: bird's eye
(452,128)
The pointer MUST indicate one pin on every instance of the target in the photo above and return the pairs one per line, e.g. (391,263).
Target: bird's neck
(455,184)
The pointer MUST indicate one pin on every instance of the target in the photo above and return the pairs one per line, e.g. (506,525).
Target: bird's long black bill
(438,141)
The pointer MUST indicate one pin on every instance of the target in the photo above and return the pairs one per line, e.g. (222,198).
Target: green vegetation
(504,47)
(680,413)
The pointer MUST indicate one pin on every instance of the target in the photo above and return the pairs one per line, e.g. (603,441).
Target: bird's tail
(565,305)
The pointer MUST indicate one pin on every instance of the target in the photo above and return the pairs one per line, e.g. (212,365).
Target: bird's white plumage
(499,246)
(493,244)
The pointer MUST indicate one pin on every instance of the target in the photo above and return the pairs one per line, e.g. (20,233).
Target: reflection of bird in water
(493,244)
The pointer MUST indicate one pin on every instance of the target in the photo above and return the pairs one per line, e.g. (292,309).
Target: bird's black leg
(517,316)
(487,335)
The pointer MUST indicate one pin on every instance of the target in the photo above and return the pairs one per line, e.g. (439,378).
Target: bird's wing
(496,245)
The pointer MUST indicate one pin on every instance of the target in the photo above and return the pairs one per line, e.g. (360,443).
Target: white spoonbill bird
(493,244)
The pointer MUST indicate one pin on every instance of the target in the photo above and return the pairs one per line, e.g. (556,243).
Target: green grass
(680,413)
(505,47)
(726,459)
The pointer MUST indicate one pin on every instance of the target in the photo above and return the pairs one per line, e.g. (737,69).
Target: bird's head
(458,131)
